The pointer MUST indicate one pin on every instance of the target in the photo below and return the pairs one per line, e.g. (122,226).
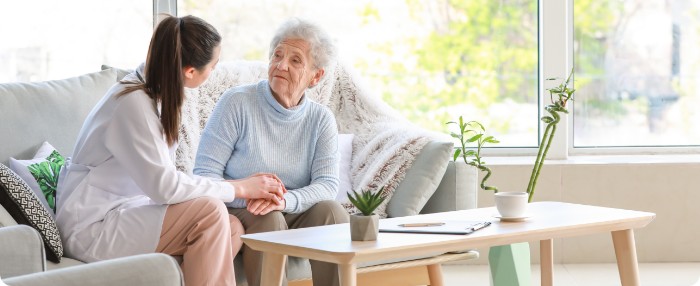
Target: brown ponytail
(176,43)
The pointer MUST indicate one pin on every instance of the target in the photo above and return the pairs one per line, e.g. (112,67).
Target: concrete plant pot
(364,228)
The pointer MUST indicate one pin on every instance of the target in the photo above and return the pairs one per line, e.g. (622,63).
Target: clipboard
(446,227)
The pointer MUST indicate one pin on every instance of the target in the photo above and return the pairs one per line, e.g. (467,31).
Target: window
(431,60)
(637,71)
(44,39)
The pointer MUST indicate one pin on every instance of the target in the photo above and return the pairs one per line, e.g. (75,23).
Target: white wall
(671,190)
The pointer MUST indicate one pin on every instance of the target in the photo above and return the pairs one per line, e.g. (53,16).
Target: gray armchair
(23,264)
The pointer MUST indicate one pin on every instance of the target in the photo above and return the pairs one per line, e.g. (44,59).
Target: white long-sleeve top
(113,194)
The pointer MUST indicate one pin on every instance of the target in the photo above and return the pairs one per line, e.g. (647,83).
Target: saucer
(512,219)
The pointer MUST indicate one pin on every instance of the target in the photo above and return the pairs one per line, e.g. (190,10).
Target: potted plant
(513,261)
(559,96)
(470,132)
(509,204)
(474,131)
(507,260)
(364,226)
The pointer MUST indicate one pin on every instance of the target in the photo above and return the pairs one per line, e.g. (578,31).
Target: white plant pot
(511,204)
(467,179)
(364,228)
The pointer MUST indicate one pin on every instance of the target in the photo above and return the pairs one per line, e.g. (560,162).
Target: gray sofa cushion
(121,73)
(421,180)
(51,111)
(457,190)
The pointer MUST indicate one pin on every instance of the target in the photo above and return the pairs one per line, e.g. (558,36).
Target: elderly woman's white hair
(322,48)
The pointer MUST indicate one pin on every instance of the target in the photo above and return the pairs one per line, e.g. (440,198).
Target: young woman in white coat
(120,193)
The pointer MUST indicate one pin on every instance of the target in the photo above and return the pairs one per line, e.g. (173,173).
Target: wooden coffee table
(548,220)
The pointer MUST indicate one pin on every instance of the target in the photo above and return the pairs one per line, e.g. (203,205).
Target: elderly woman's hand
(259,186)
(263,206)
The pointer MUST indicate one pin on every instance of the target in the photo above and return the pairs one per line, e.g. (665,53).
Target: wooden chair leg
(435,275)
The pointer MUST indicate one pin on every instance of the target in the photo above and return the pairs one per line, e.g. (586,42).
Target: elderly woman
(272,127)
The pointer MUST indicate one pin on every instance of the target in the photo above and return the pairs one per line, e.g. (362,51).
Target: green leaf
(457,152)
(474,138)
(477,124)
(366,201)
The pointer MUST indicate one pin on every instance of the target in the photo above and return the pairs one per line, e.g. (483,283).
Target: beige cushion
(52,111)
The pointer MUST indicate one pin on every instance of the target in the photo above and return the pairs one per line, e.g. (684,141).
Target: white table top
(547,220)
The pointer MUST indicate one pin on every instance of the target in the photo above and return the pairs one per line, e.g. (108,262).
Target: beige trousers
(322,213)
(207,237)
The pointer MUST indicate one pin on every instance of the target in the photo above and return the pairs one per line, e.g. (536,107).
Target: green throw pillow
(46,175)
(41,174)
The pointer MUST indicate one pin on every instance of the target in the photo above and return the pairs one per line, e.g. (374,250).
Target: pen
(481,225)
(422,224)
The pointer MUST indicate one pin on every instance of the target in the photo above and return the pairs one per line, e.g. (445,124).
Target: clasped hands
(263,192)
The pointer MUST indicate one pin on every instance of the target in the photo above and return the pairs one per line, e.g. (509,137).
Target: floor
(651,274)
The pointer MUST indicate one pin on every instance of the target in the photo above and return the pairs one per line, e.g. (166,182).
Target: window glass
(46,39)
(431,60)
(637,67)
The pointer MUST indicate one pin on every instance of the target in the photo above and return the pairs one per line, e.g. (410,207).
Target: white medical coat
(113,194)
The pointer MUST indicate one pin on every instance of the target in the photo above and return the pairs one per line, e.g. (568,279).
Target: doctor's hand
(259,186)
(263,206)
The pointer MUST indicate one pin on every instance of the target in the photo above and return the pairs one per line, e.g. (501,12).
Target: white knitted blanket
(384,147)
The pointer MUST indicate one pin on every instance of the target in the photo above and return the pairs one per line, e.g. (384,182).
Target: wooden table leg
(272,269)
(626,254)
(435,275)
(547,262)
(348,274)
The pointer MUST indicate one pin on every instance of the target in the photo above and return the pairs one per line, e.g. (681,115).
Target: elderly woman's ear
(317,77)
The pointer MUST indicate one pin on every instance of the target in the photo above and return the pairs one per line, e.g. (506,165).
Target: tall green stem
(536,167)
(488,174)
(549,132)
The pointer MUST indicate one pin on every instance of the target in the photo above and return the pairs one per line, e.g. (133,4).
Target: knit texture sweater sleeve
(324,171)
(250,132)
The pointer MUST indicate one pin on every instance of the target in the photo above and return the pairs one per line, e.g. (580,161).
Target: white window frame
(555,50)
(568,10)
(163,7)
(556,39)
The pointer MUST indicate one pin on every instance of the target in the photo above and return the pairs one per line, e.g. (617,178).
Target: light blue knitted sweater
(250,132)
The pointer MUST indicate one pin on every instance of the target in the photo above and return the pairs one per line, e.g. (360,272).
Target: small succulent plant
(366,201)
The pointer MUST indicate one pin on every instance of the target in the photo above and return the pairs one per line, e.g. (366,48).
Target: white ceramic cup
(511,204)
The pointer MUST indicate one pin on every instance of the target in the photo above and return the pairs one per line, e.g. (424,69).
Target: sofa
(22,264)
(53,111)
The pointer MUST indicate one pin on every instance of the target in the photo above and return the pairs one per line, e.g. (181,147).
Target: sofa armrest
(5,218)
(154,269)
(457,190)
(21,251)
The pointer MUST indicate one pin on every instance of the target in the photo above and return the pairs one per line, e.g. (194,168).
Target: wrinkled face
(194,77)
(292,70)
